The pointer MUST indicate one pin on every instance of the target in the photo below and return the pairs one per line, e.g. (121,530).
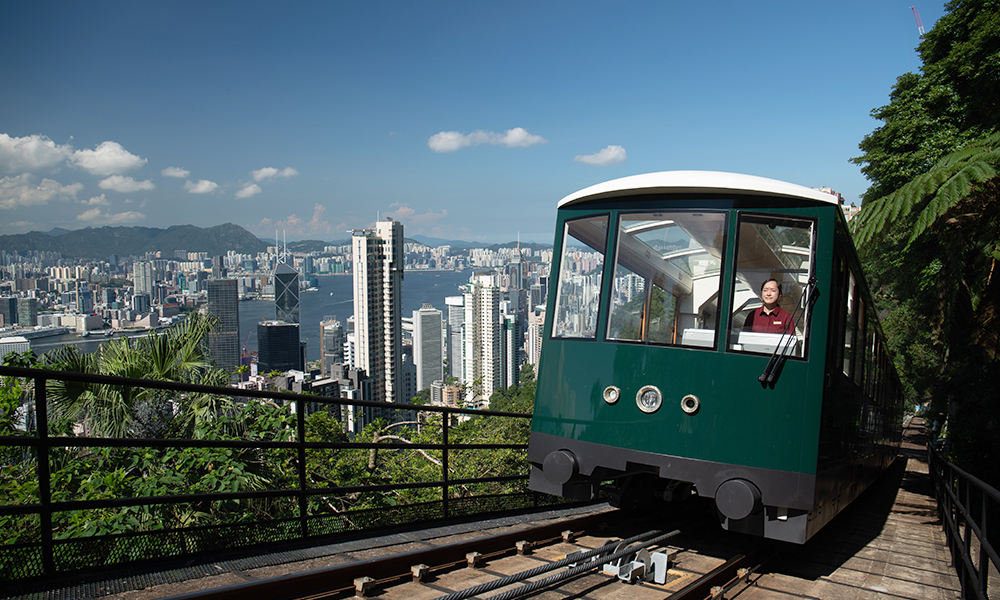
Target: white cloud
(89,215)
(612,155)
(126,217)
(250,189)
(177,172)
(520,138)
(203,186)
(97,201)
(95,215)
(450,141)
(295,227)
(30,153)
(20,226)
(268,173)
(125,185)
(22,191)
(107,159)
(414,223)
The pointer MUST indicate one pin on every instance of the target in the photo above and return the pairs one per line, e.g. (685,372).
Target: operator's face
(770,294)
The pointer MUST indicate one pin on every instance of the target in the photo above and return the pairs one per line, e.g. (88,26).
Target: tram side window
(667,278)
(860,352)
(578,295)
(839,292)
(771,252)
(850,325)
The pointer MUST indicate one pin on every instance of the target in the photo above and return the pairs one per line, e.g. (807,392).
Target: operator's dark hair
(775,283)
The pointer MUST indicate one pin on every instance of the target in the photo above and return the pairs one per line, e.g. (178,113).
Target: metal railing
(46,555)
(969,510)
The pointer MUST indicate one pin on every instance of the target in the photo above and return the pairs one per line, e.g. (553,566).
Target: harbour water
(334,298)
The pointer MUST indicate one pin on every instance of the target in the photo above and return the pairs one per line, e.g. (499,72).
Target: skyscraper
(378,282)
(278,347)
(224,341)
(536,327)
(456,326)
(427,352)
(515,271)
(286,293)
(84,298)
(482,352)
(142,278)
(278,341)
(331,343)
(27,312)
(510,341)
(8,311)
(219,268)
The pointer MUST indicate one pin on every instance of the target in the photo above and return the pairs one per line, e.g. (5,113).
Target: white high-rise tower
(482,351)
(378,283)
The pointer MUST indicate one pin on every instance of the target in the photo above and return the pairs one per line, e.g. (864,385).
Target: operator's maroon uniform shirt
(779,321)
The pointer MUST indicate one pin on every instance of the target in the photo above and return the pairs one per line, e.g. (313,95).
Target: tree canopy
(929,227)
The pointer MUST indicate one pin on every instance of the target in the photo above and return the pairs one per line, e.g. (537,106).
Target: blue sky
(464,120)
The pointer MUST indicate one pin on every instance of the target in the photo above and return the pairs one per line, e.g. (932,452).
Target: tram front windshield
(773,251)
(667,278)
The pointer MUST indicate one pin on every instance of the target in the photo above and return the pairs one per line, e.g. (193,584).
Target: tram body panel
(733,416)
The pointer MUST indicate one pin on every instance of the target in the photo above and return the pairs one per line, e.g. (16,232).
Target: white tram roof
(690,182)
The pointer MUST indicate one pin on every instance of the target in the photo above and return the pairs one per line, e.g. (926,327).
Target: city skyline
(321,118)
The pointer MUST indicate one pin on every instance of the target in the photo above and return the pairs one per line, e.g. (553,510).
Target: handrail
(966,506)
(42,441)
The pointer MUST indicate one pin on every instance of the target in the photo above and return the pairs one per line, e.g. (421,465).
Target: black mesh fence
(75,504)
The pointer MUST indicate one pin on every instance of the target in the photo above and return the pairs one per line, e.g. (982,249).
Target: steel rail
(341,577)
(534,586)
(720,577)
(604,553)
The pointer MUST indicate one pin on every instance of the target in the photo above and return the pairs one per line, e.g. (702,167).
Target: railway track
(584,557)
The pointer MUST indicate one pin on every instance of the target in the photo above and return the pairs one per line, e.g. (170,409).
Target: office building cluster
(458,353)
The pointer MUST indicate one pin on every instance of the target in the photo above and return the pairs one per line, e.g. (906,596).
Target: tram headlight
(611,394)
(649,399)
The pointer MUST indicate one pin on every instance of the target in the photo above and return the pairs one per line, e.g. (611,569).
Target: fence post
(445,419)
(984,541)
(300,429)
(44,489)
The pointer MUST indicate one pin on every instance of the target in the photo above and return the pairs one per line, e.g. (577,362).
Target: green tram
(653,383)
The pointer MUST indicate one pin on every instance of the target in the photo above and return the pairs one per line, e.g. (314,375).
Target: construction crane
(920,24)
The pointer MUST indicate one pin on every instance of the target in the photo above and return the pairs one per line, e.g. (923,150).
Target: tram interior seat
(755,341)
(698,337)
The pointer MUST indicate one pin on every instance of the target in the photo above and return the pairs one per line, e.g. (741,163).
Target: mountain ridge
(102,242)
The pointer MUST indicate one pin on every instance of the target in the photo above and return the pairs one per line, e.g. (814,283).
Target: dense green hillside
(128,241)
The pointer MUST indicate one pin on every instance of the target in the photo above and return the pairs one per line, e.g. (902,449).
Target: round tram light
(612,394)
(649,399)
(690,404)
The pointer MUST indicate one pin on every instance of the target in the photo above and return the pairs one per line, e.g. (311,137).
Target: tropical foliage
(929,228)
(385,454)
(111,410)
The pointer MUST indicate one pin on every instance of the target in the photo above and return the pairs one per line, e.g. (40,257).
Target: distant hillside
(455,244)
(102,242)
(312,245)
(523,245)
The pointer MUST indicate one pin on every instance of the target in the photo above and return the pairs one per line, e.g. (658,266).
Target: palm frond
(955,189)
(929,196)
